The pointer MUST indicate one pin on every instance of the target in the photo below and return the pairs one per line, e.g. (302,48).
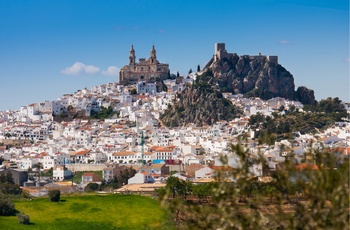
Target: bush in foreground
(7,208)
(54,195)
(91,187)
(313,197)
(23,218)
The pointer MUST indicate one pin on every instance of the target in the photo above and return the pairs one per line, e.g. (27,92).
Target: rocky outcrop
(306,96)
(200,104)
(257,77)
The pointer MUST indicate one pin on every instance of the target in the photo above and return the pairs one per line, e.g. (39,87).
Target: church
(144,70)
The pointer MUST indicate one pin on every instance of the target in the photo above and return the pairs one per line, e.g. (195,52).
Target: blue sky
(49,48)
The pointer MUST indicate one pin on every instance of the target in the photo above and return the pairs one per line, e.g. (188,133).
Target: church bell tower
(153,56)
(132,57)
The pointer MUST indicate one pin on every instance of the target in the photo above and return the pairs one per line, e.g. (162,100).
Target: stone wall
(14,141)
(85,167)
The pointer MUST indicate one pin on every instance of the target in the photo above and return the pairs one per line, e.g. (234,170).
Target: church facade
(144,70)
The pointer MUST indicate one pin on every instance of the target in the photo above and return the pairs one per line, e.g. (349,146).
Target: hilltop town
(63,136)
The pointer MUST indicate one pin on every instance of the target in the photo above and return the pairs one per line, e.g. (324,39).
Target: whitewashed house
(141,178)
(60,173)
(205,172)
(143,87)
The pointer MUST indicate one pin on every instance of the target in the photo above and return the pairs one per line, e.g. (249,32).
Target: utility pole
(38,167)
(142,147)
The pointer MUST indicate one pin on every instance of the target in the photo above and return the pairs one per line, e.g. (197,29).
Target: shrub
(23,218)
(54,195)
(316,197)
(26,194)
(8,188)
(7,208)
(91,187)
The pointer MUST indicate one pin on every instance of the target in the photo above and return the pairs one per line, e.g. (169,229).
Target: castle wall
(220,53)
(258,57)
(273,59)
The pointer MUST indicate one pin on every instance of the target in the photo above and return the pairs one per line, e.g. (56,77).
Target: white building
(60,173)
(143,87)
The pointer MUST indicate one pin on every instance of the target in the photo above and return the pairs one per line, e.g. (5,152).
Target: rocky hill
(200,103)
(257,77)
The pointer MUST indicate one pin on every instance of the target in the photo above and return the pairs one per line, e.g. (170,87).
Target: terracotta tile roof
(125,153)
(163,148)
(304,166)
(88,174)
(154,148)
(345,150)
(82,152)
(223,168)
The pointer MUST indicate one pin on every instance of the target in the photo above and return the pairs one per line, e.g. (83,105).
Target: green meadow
(112,211)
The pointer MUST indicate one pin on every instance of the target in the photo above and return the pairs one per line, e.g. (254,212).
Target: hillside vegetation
(200,103)
(315,118)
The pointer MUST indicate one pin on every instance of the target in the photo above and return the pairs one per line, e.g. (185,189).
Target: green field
(90,212)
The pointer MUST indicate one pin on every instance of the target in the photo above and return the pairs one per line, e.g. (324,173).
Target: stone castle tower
(221,53)
(144,70)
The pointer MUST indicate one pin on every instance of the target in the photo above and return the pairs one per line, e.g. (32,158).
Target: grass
(90,212)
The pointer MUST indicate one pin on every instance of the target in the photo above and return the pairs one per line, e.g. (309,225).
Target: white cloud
(111,71)
(80,68)
(284,42)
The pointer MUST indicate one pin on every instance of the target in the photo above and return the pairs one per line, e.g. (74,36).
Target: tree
(177,74)
(198,68)
(178,187)
(190,71)
(7,208)
(240,201)
(281,108)
(49,173)
(91,187)
(122,177)
(202,191)
(54,195)
(8,188)
(103,113)
(7,185)
(133,92)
